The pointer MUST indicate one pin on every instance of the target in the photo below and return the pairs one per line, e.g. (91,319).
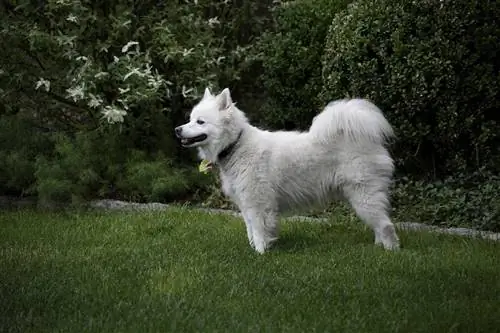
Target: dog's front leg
(263,226)
(248,224)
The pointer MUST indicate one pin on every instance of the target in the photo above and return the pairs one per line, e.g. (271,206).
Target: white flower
(155,81)
(138,93)
(81,58)
(185,91)
(42,82)
(94,101)
(213,21)
(134,71)
(76,93)
(66,40)
(147,71)
(123,91)
(113,114)
(72,18)
(123,103)
(101,74)
(185,53)
(219,60)
(128,45)
(287,3)
(168,93)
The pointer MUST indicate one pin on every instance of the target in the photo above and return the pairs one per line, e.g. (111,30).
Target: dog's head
(208,120)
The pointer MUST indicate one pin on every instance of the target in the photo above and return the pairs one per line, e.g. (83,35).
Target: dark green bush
(216,198)
(460,201)
(291,57)
(81,167)
(432,66)
(104,164)
(159,180)
(53,184)
(20,142)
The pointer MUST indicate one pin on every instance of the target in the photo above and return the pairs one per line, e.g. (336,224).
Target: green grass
(183,271)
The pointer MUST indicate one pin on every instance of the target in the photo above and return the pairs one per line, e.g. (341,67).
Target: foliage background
(90,92)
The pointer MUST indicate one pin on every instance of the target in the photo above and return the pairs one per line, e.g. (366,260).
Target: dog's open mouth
(193,140)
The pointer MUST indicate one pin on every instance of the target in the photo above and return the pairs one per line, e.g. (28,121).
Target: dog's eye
(200,122)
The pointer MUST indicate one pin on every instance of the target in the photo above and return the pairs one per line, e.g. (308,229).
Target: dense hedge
(291,54)
(21,142)
(104,164)
(432,66)
(467,200)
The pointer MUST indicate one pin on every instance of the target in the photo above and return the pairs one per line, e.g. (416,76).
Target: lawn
(185,271)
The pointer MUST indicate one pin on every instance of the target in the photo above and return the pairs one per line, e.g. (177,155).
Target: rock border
(109,204)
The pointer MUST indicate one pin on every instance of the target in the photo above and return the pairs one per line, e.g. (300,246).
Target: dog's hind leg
(371,206)
(264,227)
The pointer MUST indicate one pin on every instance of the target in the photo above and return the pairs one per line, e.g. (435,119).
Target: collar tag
(205,166)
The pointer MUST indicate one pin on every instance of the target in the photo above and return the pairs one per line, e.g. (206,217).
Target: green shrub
(216,198)
(77,169)
(158,180)
(53,185)
(291,56)
(102,164)
(460,201)
(432,66)
(20,142)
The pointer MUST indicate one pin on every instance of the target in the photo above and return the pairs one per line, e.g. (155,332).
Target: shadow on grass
(329,236)
(294,242)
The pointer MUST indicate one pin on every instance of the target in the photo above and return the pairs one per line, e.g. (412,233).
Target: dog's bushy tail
(354,120)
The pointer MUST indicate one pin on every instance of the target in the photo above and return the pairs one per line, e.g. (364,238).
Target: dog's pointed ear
(207,93)
(224,99)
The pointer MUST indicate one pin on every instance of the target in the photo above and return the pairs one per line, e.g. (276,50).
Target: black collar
(229,149)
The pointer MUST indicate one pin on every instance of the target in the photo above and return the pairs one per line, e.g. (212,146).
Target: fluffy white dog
(342,156)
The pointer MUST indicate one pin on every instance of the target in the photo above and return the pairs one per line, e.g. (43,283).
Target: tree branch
(34,57)
(73,105)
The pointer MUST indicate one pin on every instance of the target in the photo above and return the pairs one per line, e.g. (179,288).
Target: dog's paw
(260,250)
(260,246)
(389,246)
(392,246)
(388,238)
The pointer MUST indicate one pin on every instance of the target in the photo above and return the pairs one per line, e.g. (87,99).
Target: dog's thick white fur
(342,156)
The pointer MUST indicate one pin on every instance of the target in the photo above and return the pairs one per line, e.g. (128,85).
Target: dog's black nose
(178,130)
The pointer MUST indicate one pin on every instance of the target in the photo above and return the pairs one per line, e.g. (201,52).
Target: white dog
(342,156)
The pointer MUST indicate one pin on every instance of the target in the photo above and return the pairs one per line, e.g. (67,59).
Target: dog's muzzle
(189,141)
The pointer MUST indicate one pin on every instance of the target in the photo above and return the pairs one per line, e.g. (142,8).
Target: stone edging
(155,206)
